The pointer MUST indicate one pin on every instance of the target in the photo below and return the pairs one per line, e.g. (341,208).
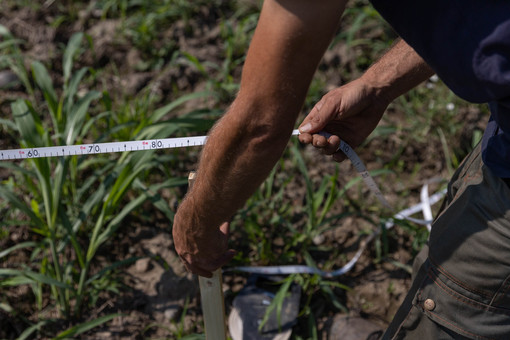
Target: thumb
(315,121)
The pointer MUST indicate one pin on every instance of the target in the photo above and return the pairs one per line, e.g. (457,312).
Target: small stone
(319,239)
(172,313)
(142,265)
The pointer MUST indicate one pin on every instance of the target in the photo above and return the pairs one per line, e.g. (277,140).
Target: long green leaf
(43,80)
(15,202)
(41,278)
(162,111)
(125,179)
(11,42)
(6,307)
(83,327)
(16,247)
(72,88)
(332,196)
(113,224)
(194,337)
(77,115)
(71,49)
(9,123)
(15,281)
(309,187)
(333,298)
(16,168)
(277,302)
(72,235)
(27,122)
(91,121)
(28,332)
(10,272)
(16,61)
(111,267)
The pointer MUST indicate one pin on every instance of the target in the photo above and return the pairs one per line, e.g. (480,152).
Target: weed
(67,200)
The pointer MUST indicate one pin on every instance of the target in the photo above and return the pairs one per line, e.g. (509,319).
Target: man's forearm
(246,143)
(398,71)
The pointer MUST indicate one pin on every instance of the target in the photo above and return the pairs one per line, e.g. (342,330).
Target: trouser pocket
(462,290)
(458,311)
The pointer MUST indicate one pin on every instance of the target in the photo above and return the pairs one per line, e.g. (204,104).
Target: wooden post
(213,303)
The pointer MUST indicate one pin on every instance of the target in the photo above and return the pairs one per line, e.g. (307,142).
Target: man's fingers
(332,145)
(195,269)
(339,156)
(328,145)
(305,138)
(224,259)
(207,267)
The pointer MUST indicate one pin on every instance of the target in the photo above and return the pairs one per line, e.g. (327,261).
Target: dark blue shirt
(467,43)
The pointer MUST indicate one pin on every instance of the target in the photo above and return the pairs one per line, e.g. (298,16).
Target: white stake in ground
(213,303)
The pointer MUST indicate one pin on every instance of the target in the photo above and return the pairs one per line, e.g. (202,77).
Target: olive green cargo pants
(461,285)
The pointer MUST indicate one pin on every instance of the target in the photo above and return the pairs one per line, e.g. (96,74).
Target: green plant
(11,58)
(67,114)
(265,217)
(178,329)
(268,217)
(144,22)
(74,205)
(47,201)
(318,203)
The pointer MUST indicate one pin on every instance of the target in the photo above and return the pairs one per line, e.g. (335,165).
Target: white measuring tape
(180,142)
(92,149)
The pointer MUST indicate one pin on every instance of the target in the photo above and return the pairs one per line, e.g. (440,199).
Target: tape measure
(179,142)
(97,148)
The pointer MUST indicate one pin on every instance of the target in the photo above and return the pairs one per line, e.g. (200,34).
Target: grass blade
(162,111)
(76,116)
(83,327)
(71,49)
(41,278)
(15,202)
(43,80)
(28,332)
(16,247)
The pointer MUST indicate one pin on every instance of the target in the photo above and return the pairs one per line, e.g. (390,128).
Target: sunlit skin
(354,110)
(243,147)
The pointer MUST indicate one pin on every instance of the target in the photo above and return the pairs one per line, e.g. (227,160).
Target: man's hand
(202,249)
(350,113)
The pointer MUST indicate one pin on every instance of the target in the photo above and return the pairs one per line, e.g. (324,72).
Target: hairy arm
(351,112)
(398,71)
(243,147)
